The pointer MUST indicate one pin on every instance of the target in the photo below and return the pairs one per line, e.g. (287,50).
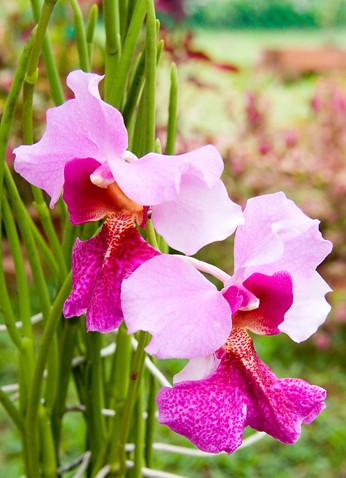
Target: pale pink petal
(87,202)
(156,178)
(197,369)
(276,236)
(198,216)
(308,312)
(43,163)
(185,313)
(213,413)
(275,298)
(85,127)
(102,124)
(99,266)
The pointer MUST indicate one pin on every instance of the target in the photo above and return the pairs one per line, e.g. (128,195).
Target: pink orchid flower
(275,287)
(190,205)
(83,153)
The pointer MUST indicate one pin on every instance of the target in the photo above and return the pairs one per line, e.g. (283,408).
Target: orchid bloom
(275,288)
(83,153)
(86,136)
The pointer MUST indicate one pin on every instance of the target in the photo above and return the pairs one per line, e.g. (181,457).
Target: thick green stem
(123,17)
(67,342)
(31,435)
(151,420)
(26,371)
(44,249)
(48,456)
(151,235)
(81,38)
(139,433)
(150,77)
(6,308)
(11,104)
(49,229)
(21,277)
(29,84)
(12,411)
(113,43)
(115,94)
(117,391)
(52,71)
(172,111)
(137,84)
(135,376)
(135,89)
(27,236)
(94,395)
(90,28)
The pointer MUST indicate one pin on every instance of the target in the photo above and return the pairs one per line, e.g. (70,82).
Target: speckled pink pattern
(243,391)
(99,266)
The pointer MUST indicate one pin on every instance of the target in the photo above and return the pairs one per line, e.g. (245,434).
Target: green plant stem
(32,72)
(52,368)
(123,17)
(11,104)
(113,43)
(52,71)
(7,310)
(5,128)
(21,277)
(44,249)
(136,139)
(48,457)
(151,419)
(150,77)
(12,411)
(29,84)
(27,236)
(49,229)
(90,28)
(172,111)
(94,396)
(151,235)
(119,377)
(135,376)
(115,93)
(139,433)
(67,342)
(137,84)
(135,89)
(31,435)
(117,392)
(26,371)
(81,38)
